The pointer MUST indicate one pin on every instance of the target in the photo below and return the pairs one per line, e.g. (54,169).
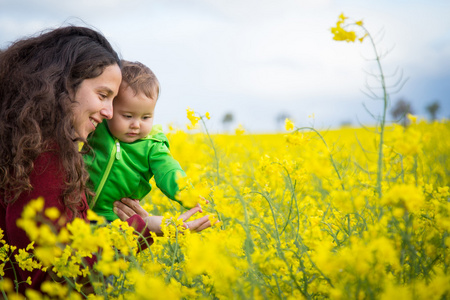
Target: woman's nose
(107,110)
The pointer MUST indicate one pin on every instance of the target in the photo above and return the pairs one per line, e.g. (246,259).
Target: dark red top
(47,180)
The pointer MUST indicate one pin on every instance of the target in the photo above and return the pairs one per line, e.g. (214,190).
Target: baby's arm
(166,169)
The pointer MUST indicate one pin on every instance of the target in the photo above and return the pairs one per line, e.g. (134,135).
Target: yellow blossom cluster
(340,33)
(301,218)
(194,118)
(298,217)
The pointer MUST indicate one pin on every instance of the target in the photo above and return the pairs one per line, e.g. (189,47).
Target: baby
(127,149)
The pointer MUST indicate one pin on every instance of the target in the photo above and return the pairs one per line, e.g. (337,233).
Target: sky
(263,60)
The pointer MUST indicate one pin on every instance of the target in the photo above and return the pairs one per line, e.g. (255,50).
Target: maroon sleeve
(47,180)
(140,226)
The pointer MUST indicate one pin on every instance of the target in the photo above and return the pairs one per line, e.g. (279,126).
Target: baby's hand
(198,224)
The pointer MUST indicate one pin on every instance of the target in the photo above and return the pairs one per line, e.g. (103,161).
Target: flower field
(299,217)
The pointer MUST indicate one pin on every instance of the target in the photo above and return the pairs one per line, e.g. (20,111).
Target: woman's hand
(126,208)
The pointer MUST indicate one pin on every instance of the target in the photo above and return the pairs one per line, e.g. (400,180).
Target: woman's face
(94,100)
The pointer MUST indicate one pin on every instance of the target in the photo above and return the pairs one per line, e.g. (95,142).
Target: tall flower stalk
(341,32)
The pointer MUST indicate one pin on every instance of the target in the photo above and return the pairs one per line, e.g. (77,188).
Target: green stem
(175,252)
(279,249)
(214,149)
(3,292)
(293,197)
(331,156)
(280,293)
(383,117)
(275,224)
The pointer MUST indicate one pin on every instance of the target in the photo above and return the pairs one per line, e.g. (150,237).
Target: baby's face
(132,115)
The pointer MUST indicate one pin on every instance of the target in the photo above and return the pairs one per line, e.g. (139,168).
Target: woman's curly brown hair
(37,77)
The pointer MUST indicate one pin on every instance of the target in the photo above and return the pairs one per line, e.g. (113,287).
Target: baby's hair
(140,79)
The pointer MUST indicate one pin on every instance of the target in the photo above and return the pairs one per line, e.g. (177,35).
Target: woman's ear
(71,92)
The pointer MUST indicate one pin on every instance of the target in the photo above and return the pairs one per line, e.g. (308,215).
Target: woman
(54,90)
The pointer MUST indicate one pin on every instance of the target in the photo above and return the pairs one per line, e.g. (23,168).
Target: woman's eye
(103,96)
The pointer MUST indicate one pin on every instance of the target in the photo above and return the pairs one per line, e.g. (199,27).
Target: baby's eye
(146,117)
(127,116)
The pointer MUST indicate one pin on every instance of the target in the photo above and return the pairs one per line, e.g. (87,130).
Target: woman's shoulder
(50,162)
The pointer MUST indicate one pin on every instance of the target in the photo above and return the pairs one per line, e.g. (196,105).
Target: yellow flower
(288,124)
(25,261)
(443,191)
(148,207)
(207,116)
(428,188)
(92,216)
(6,285)
(46,255)
(30,246)
(63,235)
(192,117)
(160,289)
(32,295)
(239,130)
(33,207)
(78,287)
(406,196)
(95,297)
(361,39)
(412,118)
(52,213)
(55,289)
(342,34)
(113,267)
(342,17)
(393,291)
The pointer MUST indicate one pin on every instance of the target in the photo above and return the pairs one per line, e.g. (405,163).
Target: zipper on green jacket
(118,155)
(118,152)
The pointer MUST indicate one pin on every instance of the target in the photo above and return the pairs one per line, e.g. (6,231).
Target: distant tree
(433,108)
(399,111)
(228,118)
(281,117)
(346,123)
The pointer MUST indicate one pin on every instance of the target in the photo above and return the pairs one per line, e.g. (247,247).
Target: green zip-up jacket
(123,170)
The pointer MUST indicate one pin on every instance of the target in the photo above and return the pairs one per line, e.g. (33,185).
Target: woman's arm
(129,208)
(47,180)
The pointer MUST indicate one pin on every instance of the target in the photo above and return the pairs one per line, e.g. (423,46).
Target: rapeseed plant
(287,229)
